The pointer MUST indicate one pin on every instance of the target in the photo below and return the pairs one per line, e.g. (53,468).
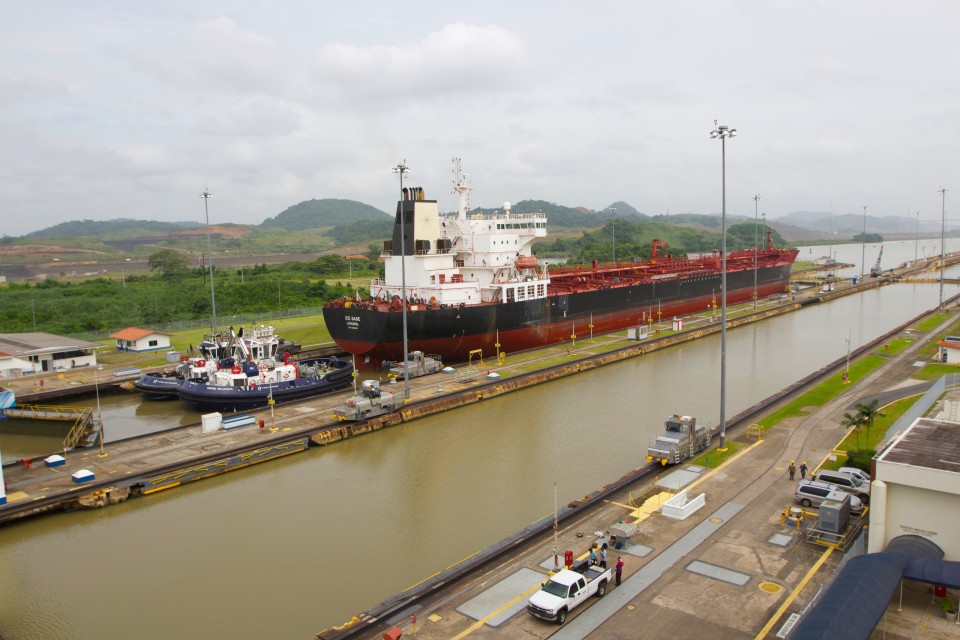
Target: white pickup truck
(566,589)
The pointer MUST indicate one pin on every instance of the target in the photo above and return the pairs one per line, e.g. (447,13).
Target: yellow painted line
(166,486)
(793,594)
(482,621)
(465,558)
(620,504)
(709,473)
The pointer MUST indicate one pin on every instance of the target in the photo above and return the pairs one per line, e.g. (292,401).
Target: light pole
(402,168)
(756,245)
(916,238)
(96,385)
(213,299)
(943,235)
(863,247)
(723,132)
(830,237)
(846,374)
(614,229)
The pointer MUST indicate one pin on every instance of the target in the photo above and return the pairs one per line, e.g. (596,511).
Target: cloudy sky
(131,108)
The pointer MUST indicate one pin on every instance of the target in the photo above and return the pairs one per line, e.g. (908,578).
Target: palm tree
(868,413)
(853,421)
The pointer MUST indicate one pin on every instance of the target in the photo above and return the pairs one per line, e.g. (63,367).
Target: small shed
(140,340)
(83,475)
(13,367)
(950,349)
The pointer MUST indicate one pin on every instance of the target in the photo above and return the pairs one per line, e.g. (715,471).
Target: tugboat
(193,366)
(259,373)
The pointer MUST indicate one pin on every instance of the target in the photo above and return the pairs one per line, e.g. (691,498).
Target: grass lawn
(307,330)
(716,458)
(823,392)
(896,345)
(935,371)
(891,413)
(932,322)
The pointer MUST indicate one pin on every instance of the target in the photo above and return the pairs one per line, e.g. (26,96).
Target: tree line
(175,292)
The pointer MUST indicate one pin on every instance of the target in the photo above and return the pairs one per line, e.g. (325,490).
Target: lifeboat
(527,262)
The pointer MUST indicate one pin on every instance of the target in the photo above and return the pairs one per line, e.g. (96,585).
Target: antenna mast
(462,187)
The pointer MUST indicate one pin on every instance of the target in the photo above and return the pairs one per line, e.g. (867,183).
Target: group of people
(601,560)
(792,469)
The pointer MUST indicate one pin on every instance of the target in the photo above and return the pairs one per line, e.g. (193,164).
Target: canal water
(286,549)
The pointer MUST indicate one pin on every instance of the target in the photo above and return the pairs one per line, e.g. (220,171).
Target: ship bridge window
(530,291)
(541,291)
(520,295)
(510,295)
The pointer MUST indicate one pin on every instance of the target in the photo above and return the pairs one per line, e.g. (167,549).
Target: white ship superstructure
(461,259)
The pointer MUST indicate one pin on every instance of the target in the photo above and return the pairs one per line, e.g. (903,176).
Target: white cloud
(580,104)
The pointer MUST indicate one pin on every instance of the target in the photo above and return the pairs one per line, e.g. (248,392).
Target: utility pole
(723,132)
(943,236)
(756,246)
(213,299)
(402,168)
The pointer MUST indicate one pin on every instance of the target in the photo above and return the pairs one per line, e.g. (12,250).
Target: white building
(916,487)
(134,339)
(45,352)
(12,367)
(950,350)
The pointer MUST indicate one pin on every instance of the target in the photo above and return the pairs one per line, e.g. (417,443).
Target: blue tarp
(853,605)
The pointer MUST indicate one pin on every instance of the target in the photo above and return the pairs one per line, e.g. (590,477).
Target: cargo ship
(470,284)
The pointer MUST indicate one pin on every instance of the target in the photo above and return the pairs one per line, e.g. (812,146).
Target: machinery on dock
(418,364)
(876,270)
(684,437)
(371,402)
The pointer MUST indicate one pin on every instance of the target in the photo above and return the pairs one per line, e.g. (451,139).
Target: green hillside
(633,240)
(329,212)
(117,228)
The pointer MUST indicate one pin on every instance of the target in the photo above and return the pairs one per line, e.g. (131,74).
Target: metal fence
(236,320)
(920,408)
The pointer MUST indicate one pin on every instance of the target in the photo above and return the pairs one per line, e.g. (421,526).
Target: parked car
(848,482)
(860,473)
(812,492)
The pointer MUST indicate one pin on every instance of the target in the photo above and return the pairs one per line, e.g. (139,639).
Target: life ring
(253,384)
(235,369)
(201,363)
(286,375)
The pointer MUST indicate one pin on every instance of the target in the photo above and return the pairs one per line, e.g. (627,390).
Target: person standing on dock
(603,555)
(792,469)
(803,469)
(593,555)
(619,569)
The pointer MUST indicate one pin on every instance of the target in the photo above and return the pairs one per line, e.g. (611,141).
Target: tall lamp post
(213,299)
(723,132)
(863,247)
(96,384)
(402,168)
(916,238)
(614,232)
(756,245)
(943,235)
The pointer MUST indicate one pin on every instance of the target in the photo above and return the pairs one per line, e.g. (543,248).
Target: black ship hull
(453,332)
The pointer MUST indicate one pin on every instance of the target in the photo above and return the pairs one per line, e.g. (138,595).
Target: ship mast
(462,187)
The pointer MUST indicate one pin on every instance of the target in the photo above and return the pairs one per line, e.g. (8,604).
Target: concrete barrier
(679,508)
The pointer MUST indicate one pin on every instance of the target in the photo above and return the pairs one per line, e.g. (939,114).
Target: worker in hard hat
(792,469)
(803,469)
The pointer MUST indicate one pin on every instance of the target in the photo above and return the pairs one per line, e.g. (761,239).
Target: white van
(848,482)
(860,473)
